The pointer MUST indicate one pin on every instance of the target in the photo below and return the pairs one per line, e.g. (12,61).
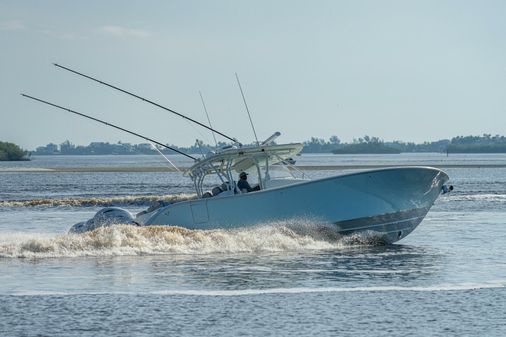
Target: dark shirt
(243,184)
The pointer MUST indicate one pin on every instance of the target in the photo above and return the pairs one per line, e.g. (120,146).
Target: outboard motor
(104,218)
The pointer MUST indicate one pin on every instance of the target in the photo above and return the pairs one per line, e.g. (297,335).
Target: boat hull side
(388,227)
(390,202)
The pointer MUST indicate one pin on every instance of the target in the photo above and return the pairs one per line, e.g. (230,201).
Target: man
(243,184)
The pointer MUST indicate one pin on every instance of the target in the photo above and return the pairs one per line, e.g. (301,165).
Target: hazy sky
(408,70)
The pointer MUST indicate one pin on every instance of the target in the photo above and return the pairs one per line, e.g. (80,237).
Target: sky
(399,70)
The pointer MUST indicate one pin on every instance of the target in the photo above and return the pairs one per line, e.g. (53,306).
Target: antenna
(145,100)
(108,124)
(205,109)
(246,105)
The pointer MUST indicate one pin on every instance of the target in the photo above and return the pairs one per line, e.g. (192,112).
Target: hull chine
(388,228)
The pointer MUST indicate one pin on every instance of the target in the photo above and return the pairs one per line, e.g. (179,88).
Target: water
(446,278)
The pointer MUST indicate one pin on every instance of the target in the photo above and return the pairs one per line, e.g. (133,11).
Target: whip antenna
(108,124)
(246,105)
(205,109)
(145,100)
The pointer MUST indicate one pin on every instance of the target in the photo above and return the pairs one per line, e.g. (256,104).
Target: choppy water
(294,278)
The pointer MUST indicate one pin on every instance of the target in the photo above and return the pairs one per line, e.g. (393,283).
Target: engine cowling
(104,218)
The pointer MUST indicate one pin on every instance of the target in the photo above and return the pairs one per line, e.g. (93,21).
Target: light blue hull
(389,202)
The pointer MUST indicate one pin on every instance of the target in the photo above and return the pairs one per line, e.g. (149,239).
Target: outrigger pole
(108,124)
(147,100)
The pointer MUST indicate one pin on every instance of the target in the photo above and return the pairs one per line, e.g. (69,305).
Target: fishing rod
(146,100)
(108,124)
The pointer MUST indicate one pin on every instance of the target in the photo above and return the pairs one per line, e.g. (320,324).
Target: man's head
(243,175)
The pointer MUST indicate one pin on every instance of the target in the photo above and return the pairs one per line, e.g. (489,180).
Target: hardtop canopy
(244,158)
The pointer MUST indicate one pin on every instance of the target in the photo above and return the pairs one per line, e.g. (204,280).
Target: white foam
(152,240)
(280,291)
(478,197)
(99,201)
(251,292)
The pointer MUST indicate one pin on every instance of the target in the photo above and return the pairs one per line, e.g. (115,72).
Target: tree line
(366,144)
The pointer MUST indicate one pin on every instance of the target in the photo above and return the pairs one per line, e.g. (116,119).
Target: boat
(388,203)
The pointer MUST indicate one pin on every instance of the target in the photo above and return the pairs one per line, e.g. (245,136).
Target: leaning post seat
(216,190)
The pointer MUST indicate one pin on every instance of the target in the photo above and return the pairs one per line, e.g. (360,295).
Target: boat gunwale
(430,168)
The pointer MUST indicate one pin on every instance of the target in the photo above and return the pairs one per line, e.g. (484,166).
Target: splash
(152,240)
(139,200)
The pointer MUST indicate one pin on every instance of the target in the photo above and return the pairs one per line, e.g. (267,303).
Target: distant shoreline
(363,145)
(168,169)
(334,152)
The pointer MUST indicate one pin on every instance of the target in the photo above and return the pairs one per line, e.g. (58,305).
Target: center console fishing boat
(388,203)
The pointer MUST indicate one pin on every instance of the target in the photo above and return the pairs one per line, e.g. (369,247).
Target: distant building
(48,149)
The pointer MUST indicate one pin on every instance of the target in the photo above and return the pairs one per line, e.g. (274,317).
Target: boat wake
(120,240)
(132,200)
(446,287)
(487,197)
